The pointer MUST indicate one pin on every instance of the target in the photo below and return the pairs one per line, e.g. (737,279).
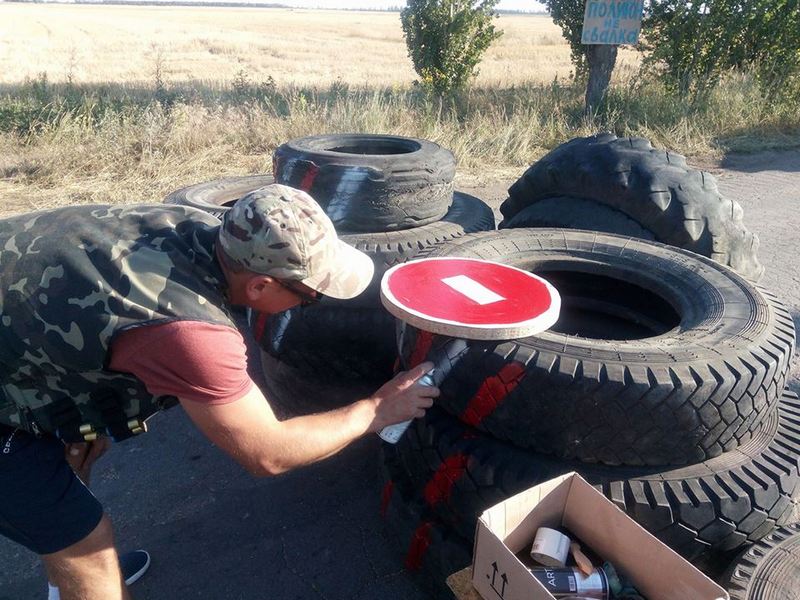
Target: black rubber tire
(717,505)
(370,182)
(467,214)
(354,340)
(577,213)
(654,188)
(291,393)
(430,551)
(769,569)
(699,360)
(331,344)
(218,195)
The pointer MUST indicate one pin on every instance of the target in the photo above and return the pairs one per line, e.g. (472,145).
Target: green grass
(62,144)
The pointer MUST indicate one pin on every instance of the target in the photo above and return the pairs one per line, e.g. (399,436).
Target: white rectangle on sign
(612,22)
(473,290)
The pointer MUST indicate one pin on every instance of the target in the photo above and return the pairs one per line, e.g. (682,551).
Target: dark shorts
(43,504)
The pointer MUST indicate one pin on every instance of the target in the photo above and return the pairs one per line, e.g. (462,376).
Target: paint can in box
(566,582)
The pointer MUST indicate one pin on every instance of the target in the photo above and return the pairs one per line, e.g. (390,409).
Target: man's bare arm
(248,430)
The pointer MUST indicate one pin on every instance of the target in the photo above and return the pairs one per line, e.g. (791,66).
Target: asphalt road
(216,533)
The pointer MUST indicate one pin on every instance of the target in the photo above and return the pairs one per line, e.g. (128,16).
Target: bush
(446,39)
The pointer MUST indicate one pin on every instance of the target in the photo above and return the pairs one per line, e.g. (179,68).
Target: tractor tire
(660,356)
(710,507)
(769,569)
(577,213)
(370,183)
(625,186)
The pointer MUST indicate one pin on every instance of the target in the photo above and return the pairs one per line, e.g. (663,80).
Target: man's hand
(402,398)
(81,456)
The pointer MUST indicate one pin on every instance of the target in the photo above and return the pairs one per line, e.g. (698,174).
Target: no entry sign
(470,298)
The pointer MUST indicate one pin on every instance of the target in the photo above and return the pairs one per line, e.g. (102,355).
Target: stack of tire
(662,384)
(388,196)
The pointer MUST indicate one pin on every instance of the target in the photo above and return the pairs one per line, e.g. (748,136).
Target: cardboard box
(509,527)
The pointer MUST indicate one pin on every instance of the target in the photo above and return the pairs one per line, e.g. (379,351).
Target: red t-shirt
(191,360)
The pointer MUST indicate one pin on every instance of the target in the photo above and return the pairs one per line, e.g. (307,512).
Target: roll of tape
(550,547)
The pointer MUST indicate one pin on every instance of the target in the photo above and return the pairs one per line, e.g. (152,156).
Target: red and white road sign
(470,298)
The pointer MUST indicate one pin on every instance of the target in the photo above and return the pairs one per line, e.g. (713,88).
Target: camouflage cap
(282,232)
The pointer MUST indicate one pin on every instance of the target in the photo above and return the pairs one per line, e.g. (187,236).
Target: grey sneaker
(133,565)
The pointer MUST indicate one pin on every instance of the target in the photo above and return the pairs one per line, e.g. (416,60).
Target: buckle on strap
(137,426)
(88,432)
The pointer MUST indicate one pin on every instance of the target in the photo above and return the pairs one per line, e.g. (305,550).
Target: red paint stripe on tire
(440,487)
(260,325)
(422,346)
(492,392)
(419,546)
(386,495)
(309,177)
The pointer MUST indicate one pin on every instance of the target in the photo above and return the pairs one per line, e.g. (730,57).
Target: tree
(447,38)
(694,44)
(593,63)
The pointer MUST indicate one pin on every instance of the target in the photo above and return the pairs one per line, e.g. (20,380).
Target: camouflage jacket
(70,280)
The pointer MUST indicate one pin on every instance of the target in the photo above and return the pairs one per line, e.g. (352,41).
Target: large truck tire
(218,195)
(331,344)
(769,569)
(659,357)
(467,214)
(292,394)
(625,186)
(430,551)
(370,183)
(714,506)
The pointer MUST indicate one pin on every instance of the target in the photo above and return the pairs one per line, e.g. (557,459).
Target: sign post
(466,298)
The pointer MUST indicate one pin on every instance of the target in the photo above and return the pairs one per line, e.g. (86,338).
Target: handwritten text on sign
(612,21)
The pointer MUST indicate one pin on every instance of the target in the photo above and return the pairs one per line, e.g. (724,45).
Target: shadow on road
(787,161)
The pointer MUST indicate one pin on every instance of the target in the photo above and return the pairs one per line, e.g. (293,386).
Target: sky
(528,5)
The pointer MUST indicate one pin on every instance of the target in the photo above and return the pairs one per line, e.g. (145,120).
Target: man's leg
(89,569)
(45,507)
(81,457)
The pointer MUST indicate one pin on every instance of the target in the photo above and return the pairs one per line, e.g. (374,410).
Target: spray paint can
(567,582)
(444,360)
(393,433)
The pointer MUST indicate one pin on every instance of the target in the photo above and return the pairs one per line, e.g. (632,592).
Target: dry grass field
(127,44)
(128,103)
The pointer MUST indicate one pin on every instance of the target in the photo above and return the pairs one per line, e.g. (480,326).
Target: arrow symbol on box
(503,576)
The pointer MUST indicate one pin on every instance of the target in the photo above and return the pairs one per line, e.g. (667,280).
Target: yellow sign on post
(612,21)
